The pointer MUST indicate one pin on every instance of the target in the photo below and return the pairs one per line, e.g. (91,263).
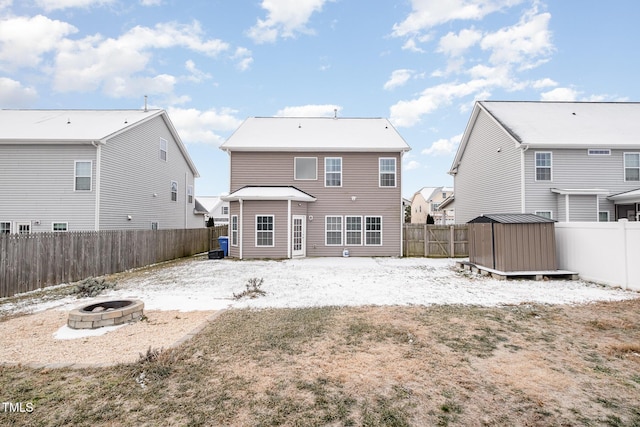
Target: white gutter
(98,146)
(186,199)
(523,205)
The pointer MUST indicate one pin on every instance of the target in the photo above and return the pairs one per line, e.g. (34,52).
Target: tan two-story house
(315,187)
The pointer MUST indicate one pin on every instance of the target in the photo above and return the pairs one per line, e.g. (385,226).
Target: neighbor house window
(333,231)
(234,230)
(163,149)
(333,172)
(224,210)
(82,175)
(543,166)
(545,214)
(387,171)
(190,194)
(174,191)
(305,168)
(603,216)
(264,230)
(598,152)
(5,227)
(373,230)
(353,230)
(632,166)
(60,226)
(24,227)
(154,225)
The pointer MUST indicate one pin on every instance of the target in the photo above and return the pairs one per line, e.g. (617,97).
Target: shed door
(298,236)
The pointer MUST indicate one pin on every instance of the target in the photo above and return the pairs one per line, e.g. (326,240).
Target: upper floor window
(174,191)
(305,168)
(333,172)
(224,210)
(60,226)
(164,148)
(387,171)
(543,166)
(632,166)
(190,194)
(5,227)
(82,175)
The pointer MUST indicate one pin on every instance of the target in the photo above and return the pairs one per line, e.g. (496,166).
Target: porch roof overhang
(632,196)
(269,193)
(580,191)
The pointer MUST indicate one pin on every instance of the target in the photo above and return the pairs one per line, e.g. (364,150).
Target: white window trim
(624,160)
(535,165)
(76,176)
(190,194)
(346,230)
(598,152)
(364,225)
(395,172)
(295,169)
(165,149)
(7,222)
(325,172)
(18,224)
(272,231)
(66,226)
(157,225)
(604,212)
(234,232)
(326,243)
(171,191)
(540,212)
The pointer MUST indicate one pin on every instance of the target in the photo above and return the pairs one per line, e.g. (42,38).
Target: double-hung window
(353,226)
(305,168)
(543,166)
(234,230)
(387,171)
(163,149)
(82,175)
(333,172)
(264,230)
(632,166)
(5,227)
(190,194)
(333,231)
(174,191)
(373,230)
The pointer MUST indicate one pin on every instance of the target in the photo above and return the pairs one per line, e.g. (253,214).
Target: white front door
(298,236)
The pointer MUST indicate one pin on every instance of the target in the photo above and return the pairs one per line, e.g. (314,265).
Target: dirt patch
(29,339)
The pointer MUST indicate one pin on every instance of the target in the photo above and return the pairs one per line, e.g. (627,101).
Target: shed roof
(269,193)
(315,134)
(511,218)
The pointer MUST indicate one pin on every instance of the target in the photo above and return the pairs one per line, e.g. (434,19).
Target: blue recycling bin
(224,244)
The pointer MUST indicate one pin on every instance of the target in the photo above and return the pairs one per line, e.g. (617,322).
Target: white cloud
(456,44)
(244,58)
(443,147)
(321,110)
(195,75)
(195,126)
(50,5)
(24,40)
(150,2)
(14,95)
(5,4)
(560,94)
(543,83)
(398,78)
(411,165)
(284,19)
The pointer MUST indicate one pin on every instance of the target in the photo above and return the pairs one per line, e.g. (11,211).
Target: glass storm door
(298,236)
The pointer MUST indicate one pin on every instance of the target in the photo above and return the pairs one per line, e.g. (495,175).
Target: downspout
(566,206)
(289,228)
(240,227)
(186,198)
(98,146)
(523,205)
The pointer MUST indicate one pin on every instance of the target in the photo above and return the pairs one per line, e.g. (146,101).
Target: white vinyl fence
(601,252)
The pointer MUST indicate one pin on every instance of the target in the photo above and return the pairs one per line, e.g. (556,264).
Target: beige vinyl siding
(38,186)
(488,180)
(279,211)
(136,181)
(360,179)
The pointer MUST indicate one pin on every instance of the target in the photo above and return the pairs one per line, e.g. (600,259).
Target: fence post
(426,240)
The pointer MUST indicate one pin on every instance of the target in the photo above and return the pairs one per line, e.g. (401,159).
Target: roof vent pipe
(145,104)
(335,113)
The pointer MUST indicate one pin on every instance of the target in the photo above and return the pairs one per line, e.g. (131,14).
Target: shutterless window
(373,230)
(305,168)
(5,227)
(224,210)
(164,149)
(333,231)
(333,172)
(264,230)
(60,226)
(154,225)
(598,152)
(82,175)
(387,171)
(234,230)
(174,191)
(545,214)
(632,166)
(543,166)
(190,194)
(603,216)
(353,226)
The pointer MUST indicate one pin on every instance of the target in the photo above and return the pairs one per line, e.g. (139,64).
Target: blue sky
(213,63)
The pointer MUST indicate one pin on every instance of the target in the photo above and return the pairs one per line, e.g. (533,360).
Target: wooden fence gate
(436,241)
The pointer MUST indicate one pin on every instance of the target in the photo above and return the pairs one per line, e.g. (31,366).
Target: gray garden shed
(513,242)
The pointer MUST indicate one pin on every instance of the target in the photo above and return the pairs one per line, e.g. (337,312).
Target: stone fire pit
(105,313)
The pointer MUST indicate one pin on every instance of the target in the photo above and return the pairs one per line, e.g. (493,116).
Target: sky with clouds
(213,63)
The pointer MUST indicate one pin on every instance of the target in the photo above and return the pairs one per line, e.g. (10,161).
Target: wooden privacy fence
(33,261)
(437,241)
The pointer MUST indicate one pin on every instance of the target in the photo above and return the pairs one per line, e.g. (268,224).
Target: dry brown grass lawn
(525,365)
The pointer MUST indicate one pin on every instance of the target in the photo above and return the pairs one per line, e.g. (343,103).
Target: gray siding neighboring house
(565,160)
(312,187)
(86,170)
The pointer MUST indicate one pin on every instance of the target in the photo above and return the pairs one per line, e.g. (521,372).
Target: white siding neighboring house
(215,208)
(315,187)
(426,201)
(81,170)
(570,161)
